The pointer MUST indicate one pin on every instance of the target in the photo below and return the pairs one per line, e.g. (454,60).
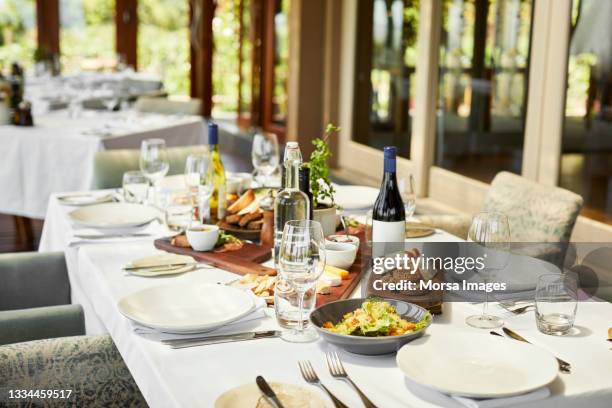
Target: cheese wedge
(336,271)
(333,280)
(323,288)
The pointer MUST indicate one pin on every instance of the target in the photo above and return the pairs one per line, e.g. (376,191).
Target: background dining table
(57,154)
(196,377)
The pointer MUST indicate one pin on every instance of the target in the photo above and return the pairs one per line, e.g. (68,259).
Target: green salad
(376,318)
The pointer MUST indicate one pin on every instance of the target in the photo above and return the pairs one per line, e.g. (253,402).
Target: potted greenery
(324,206)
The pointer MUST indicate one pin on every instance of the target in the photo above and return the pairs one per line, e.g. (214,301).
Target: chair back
(168,106)
(109,165)
(536,213)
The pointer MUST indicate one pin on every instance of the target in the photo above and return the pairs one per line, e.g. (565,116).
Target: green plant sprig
(320,182)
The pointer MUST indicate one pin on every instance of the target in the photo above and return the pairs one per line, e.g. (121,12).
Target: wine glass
(491,231)
(154,161)
(301,263)
(265,154)
(406,187)
(197,182)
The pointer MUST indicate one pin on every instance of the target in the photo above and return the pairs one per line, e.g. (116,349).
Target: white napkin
(438,398)
(153,230)
(246,323)
(536,395)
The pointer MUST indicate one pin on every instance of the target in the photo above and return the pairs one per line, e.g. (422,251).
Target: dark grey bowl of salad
(370,326)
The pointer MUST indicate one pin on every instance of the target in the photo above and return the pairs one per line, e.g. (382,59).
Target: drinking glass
(491,231)
(556,303)
(179,213)
(265,154)
(135,187)
(200,186)
(286,306)
(301,263)
(154,161)
(406,187)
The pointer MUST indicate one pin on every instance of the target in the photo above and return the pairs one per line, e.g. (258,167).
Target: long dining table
(196,377)
(57,154)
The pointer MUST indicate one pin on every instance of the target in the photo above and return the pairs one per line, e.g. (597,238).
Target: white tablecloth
(57,154)
(195,377)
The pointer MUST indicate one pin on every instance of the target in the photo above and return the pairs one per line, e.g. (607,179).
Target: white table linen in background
(57,154)
(195,377)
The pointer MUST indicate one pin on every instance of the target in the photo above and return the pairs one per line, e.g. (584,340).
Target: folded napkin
(536,395)
(244,324)
(438,398)
(151,231)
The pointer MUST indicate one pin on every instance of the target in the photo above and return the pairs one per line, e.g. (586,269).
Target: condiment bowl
(340,254)
(202,237)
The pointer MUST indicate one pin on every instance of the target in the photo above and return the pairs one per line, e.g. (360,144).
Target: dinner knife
(97,236)
(224,338)
(268,392)
(516,336)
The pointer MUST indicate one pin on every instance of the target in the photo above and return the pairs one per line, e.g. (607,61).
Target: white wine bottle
(290,203)
(216,172)
(388,215)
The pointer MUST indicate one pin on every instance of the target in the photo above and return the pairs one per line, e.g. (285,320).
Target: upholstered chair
(536,213)
(191,106)
(109,165)
(42,341)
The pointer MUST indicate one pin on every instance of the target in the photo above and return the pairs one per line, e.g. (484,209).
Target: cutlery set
(336,369)
(564,366)
(224,338)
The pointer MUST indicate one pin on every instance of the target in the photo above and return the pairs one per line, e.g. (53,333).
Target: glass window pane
(87,35)
(385,73)
(17,33)
(484,64)
(163,42)
(226,29)
(281,64)
(586,159)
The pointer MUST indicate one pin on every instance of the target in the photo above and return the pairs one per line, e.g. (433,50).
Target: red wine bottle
(388,216)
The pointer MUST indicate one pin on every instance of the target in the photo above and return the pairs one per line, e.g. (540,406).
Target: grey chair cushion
(41,323)
(33,279)
(90,366)
(110,165)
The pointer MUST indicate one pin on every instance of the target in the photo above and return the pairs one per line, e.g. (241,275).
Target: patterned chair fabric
(90,366)
(536,213)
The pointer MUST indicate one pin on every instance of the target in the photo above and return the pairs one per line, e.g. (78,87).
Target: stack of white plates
(114,216)
(186,307)
(83,199)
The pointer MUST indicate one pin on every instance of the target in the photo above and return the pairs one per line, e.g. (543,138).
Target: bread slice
(232,219)
(255,225)
(244,201)
(250,217)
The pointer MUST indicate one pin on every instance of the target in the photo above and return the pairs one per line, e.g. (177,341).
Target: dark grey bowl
(333,312)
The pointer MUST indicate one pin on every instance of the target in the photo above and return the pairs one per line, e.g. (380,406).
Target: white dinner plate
(355,197)
(186,307)
(248,395)
(477,366)
(114,215)
(81,199)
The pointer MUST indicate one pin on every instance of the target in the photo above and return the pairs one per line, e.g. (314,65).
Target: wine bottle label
(221,203)
(384,231)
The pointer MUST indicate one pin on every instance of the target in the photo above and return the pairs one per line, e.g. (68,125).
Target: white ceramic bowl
(202,237)
(340,255)
(342,239)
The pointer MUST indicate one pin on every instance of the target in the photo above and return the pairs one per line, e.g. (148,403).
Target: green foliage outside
(226,30)
(17,32)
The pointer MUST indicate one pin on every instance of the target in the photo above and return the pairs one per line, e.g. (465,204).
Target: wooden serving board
(243,261)
(345,290)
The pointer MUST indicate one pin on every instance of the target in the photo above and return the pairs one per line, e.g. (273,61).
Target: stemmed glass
(154,161)
(265,154)
(491,231)
(301,263)
(408,193)
(200,186)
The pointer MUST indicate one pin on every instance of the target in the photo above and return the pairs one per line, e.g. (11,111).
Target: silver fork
(336,369)
(311,377)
